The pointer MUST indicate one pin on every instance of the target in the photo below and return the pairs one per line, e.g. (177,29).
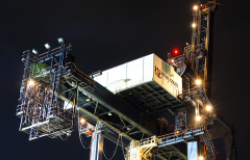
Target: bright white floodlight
(82,121)
(60,40)
(47,46)
(34,51)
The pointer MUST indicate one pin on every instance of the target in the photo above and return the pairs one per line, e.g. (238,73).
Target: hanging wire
(81,140)
(114,150)
(63,138)
(122,148)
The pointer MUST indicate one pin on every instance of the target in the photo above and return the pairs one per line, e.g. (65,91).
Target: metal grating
(150,98)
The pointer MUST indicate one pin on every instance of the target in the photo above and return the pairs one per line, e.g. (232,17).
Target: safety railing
(180,133)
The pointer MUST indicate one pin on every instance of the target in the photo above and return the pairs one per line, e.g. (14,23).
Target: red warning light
(175,51)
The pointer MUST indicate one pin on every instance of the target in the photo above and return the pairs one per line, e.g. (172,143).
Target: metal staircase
(209,145)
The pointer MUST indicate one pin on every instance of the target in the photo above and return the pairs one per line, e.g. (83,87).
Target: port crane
(55,94)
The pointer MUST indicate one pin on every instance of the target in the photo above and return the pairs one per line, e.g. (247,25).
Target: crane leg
(96,146)
(192,150)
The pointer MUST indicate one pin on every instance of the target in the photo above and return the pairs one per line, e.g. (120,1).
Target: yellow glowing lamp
(31,82)
(82,120)
(198,118)
(208,108)
(201,158)
(198,82)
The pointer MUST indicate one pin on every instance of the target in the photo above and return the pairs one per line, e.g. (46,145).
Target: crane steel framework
(55,94)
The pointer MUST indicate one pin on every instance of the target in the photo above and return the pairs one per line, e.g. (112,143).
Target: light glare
(208,108)
(198,118)
(193,25)
(195,7)
(198,82)
(201,158)
(82,120)
(31,82)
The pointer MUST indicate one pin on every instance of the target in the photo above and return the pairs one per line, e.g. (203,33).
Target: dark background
(105,34)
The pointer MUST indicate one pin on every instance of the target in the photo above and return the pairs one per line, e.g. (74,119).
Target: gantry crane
(55,94)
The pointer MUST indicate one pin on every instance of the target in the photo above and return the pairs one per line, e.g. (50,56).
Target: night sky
(105,34)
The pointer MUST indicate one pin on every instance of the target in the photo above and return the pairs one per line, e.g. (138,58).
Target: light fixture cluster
(47,45)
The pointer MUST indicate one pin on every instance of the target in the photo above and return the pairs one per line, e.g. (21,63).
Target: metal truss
(53,90)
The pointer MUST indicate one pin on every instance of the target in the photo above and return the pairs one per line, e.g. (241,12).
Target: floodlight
(201,158)
(60,40)
(47,46)
(198,82)
(208,107)
(34,51)
(82,120)
(31,82)
(198,118)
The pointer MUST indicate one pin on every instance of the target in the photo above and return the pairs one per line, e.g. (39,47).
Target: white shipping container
(143,70)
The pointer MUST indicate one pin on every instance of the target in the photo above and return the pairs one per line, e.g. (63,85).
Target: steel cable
(79,132)
(122,148)
(64,139)
(114,150)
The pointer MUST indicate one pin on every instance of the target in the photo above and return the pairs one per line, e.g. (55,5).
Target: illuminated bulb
(201,158)
(82,120)
(198,82)
(87,99)
(47,46)
(34,51)
(177,131)
(193,25)
(172,60)
(60,40)
(195,7)
(109,114)
(31,82)
(198,118)
(208,108)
